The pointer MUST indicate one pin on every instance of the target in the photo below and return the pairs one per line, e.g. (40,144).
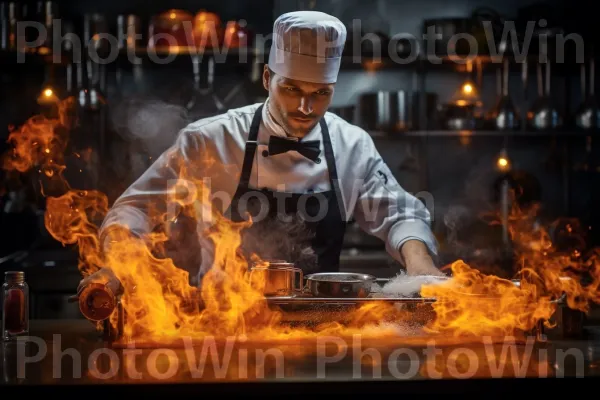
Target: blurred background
(473,128)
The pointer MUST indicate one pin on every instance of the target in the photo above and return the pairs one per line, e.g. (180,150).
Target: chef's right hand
(115,234)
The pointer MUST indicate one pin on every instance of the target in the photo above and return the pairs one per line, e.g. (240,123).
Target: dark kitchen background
(457,134)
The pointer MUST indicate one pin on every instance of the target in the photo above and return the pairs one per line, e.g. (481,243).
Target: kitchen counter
(68,355)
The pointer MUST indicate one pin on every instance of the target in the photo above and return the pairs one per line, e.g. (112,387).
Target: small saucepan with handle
(276,278)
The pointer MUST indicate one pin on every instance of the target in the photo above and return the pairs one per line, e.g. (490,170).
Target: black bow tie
(309,149)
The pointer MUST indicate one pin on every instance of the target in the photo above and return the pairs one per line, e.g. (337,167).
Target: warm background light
(467,94)
(47,97)
(503,163)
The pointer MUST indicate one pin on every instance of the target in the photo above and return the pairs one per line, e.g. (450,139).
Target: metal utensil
(588,115)
(277,278)
(129,32)
(204,73)
(458,117)
(383,111)
(505,113)
(340,284)
(544,114)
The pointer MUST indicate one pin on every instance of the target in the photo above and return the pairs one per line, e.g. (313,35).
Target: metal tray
(307,300)
(316,307)
(308,311)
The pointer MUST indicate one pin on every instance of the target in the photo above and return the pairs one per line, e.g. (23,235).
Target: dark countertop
(69,355)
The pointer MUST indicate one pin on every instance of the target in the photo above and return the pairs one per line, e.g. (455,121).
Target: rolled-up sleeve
(386,210)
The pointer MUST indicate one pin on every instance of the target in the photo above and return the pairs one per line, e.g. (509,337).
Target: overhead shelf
(365,62)
(192,51)
(40,55)
(158,55)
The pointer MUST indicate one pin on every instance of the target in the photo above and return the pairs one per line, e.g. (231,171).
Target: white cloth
(307,46)
(213,149)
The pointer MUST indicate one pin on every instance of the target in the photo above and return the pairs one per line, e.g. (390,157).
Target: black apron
(304,228)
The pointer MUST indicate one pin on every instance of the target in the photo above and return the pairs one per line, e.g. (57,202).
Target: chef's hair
(272,73)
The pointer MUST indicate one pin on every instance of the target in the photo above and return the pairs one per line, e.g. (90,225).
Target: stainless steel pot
(277,278)
(339,284)
(455,117)
(384,111)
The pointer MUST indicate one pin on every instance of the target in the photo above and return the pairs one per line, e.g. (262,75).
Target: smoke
(471,223)
(455,220)
(275,239)
(149,123)
(476,240)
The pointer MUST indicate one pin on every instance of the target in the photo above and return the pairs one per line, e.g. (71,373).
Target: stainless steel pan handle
(300,286)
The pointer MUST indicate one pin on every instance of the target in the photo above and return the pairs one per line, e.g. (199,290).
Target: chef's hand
(417,259)
(103,275)
(116,234)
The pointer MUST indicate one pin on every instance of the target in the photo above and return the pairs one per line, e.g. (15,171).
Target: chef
(300,172)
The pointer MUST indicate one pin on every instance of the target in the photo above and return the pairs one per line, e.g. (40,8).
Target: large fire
(161,306)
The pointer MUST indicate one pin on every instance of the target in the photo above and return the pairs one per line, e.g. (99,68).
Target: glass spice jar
(15,301)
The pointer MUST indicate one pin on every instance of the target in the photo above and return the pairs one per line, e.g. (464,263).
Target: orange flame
(162,307)
(473,303)
(485,305)
(40,142)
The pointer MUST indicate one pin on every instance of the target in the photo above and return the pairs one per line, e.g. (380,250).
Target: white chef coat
(213,149)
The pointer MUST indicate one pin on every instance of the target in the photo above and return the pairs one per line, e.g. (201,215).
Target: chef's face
(296,105)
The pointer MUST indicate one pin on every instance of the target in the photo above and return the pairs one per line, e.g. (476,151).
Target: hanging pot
(237,35)
(208,30)
(544,115)
(171,29)
(504,114)
(588,115)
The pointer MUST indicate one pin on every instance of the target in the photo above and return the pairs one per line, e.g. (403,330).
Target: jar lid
(14,276)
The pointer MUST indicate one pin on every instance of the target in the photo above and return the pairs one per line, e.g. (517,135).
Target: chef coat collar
(273,128)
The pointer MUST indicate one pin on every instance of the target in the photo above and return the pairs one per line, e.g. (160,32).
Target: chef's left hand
(417,259)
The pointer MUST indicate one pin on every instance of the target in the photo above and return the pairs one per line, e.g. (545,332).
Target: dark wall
(260,17)
(133,142)
(453,170)
(459,172)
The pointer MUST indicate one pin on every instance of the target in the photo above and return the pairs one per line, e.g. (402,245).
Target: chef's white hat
(307,46)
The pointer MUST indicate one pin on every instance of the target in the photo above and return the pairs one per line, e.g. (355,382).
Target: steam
(455,219)
(151,124)
(472,224)
(404,285)
(276,239)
